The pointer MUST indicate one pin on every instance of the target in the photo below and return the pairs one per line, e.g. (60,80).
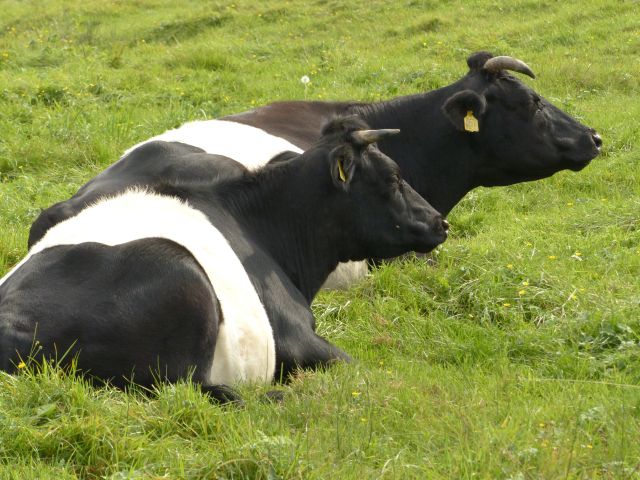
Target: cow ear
(464,109)
(477,60)
(342,167)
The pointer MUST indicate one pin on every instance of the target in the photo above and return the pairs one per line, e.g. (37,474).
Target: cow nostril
(445,225)
(597,139)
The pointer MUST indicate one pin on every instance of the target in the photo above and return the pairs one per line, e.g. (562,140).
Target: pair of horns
(496,64)
(366,137)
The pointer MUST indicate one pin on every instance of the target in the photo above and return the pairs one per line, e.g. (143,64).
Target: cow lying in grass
(213,276)
(486,129)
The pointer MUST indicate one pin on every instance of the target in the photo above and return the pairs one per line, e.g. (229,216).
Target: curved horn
(365,137)
(496,64)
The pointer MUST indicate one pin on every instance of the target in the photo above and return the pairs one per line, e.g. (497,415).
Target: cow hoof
(274,396)
(223,395)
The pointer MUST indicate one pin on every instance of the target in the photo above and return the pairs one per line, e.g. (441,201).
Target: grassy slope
(516,356)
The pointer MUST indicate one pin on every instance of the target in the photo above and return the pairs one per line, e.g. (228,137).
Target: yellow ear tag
(471,122)
(343,177)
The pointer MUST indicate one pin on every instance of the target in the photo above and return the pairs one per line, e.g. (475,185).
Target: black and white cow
(213,276)
(511,135)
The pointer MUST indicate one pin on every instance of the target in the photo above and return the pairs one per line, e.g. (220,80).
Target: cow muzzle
(445,227)
(597,139)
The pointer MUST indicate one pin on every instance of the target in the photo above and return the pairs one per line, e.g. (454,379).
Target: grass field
(516,356)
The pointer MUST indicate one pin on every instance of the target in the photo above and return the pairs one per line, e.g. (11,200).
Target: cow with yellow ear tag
(488,128)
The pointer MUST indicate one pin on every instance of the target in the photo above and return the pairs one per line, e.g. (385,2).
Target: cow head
(379,214)
(520,134)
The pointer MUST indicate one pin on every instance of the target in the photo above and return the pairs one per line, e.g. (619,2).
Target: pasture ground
(516,356)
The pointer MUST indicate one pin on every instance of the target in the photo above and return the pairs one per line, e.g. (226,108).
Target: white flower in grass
(305,80)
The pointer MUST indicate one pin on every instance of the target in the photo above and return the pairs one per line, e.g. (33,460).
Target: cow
(212,278)
(486,129)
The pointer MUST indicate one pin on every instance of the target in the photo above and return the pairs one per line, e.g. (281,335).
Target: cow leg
(222,394)
(312,352)
(330,353)
(298,346)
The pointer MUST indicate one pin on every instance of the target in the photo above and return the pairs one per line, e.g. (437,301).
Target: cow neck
(442,179)
(285,213)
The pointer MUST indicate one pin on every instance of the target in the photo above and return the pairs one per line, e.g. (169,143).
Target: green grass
(516,356)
